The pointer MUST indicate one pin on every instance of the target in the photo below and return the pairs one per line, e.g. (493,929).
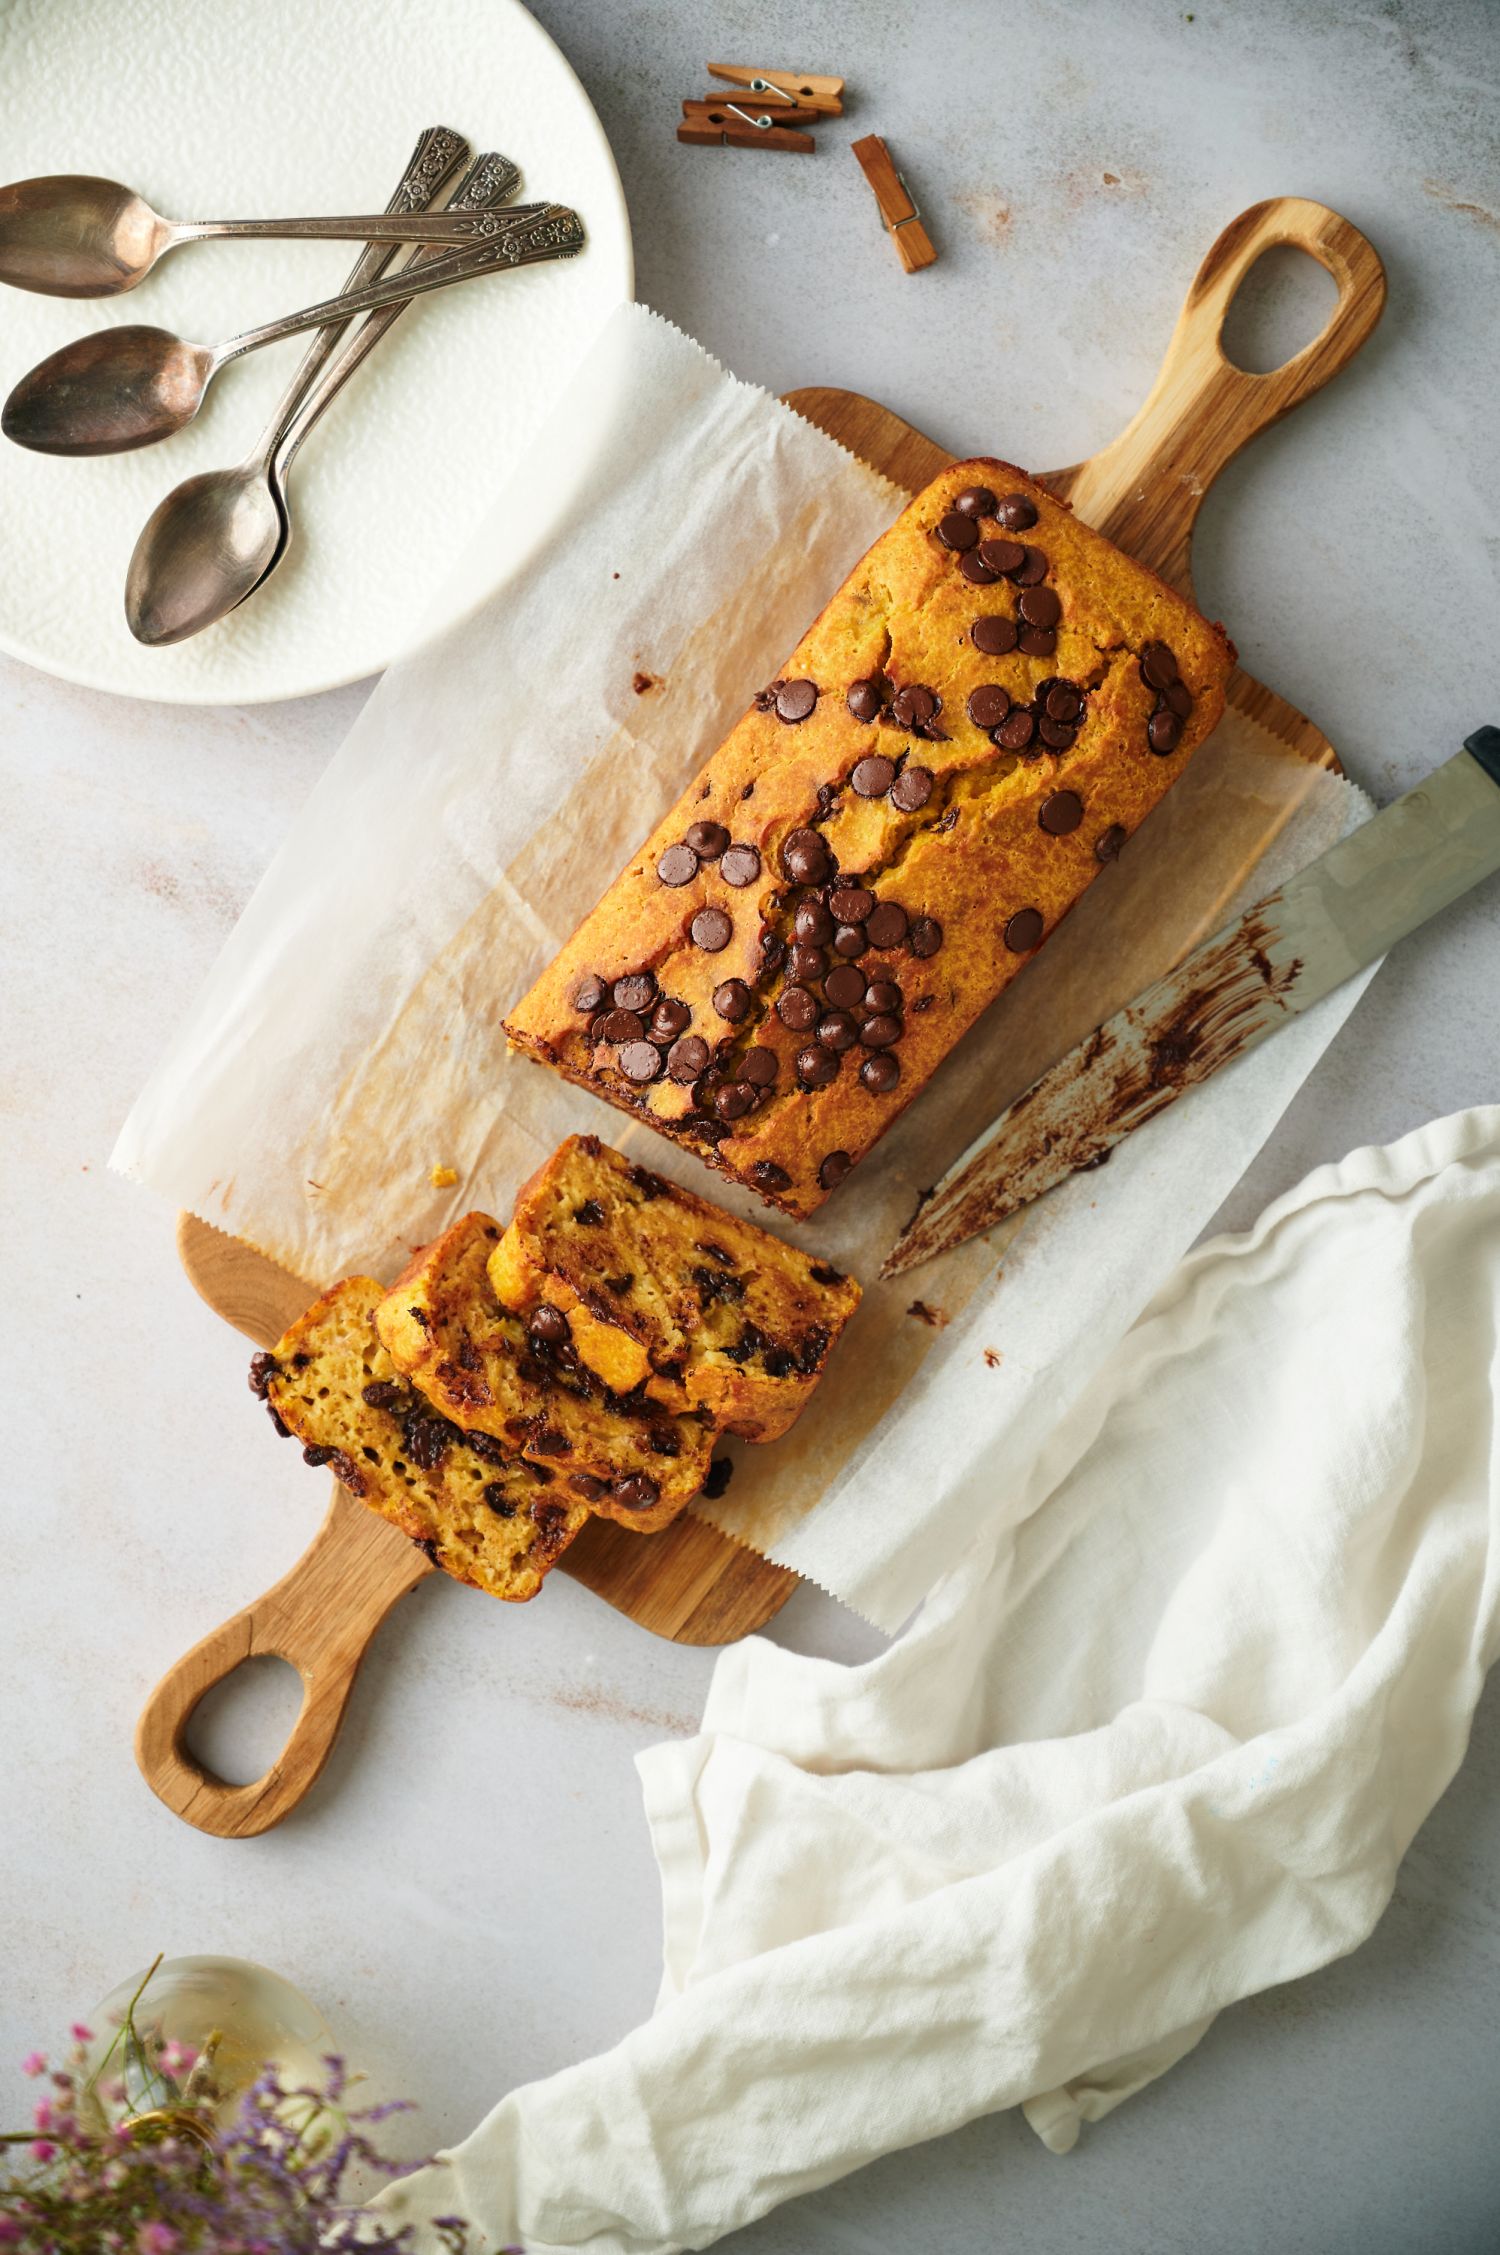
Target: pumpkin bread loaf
(481,1367)
(979,721)
(472,1504)
(659,1290)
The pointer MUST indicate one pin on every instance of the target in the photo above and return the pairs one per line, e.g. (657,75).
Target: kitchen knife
(1284,954)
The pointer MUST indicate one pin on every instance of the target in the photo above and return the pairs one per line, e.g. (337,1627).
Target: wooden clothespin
(899,214)
(824,96)
(734,125)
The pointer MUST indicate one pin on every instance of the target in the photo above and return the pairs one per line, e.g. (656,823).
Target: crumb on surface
(443,1178)
(936,1317)
(993,1357)
(644,681)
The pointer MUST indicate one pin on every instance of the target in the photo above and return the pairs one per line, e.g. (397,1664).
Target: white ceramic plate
(244,108)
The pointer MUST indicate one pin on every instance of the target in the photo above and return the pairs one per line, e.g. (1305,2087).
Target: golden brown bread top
(887,760)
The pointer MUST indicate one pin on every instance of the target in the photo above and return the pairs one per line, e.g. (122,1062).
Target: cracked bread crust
(980,841)
(662,1290)
(444,1328)
(476,1509)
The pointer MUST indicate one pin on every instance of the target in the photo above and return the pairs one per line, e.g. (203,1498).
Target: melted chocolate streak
(1079,1121)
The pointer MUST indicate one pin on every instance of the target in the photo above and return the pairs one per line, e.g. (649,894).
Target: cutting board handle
(1145,490)
(320,1617)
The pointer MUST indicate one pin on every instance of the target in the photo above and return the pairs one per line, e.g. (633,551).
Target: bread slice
(479,1365)
(477,1509)
(662,1290)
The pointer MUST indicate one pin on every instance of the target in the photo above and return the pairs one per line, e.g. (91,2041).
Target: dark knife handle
(1485,746)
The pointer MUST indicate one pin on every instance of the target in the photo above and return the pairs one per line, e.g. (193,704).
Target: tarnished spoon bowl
(109,392)
(72,235)
(202,551)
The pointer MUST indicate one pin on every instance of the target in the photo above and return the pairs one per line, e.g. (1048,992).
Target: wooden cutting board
(690,1582)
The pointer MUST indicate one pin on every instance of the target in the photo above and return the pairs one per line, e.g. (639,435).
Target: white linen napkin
(1156,1746)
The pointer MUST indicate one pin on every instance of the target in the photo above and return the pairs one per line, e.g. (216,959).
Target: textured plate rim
(429,624)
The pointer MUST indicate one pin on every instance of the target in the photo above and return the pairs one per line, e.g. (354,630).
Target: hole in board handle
(1285,300)
(241,1725)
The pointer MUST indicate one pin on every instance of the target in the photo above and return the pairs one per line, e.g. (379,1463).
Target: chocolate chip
(640,1061)
(669,1019)
(912,789)
(993,635)
(812,922)
(1158,666)
(988,704)
(1040,606)
(712,930)
(850,940)
(816,1067)
(637,1492)
(926,936)
(880,1073)
(687,1059)
(845,986)
(707,839)
(734,1001)
(1023,931)
(976,571)
(873,776)
(883,994)
(548,1324)
(1055,734)
(795,700)
(1178,698)
(1037,641)
(732,1101)
(806,963)
(381,1394)
(677,866)
(1016,731)
(1164,731)
(589,994)
(1015,512)
(975,501)
(766,1175)
(914,705)
(1107,846)
(263,1368)
(637,992)
(863,699)
(316,1455)
(1033,571)
(833,1169)
(1002,556)
(838,1031)
(885,928)
(740,866)
(798,1009)
(586,1487)
(851,904)
(497,1499)
(880,1032)
(758,1068)
(590,1213)
(957,531)
(805,858)
(620,1026)
(1060,813)
(1063,701)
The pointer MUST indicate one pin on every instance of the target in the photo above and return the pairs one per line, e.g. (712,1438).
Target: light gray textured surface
(469,1893)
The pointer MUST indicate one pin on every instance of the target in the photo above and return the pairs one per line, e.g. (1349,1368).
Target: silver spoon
(217,536)
(128,387)
(71,235)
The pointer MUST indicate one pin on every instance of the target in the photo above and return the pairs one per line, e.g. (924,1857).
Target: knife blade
(1331,920)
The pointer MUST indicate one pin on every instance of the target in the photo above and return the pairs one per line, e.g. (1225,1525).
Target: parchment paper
(349,1039)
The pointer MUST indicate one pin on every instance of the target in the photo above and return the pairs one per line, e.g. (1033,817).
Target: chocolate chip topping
(732,1101)
(795,700)
(1107,846)
(758,1068)
(1158,666)
(620,1026)
(804,857)
(883,994)
(880,1073)
(816,1067)
(381,1393)
(879,1032)
(873,776)
(1178,698)
(838,1030)
(988,704)
(886,926)
(805,963)
(586,1487)
(637,1492)
(812,922)
(548,1324)
(766,1175)
(864,699)
(912,789)
(1023,931)
(641,1061)
(926,936)
(849,939)
(1063,701)
(740,866)
(851,904)
(1055,734)
(994,635)
(1002,556)
(1033,571)
(677,866)
(734,1001)
(833,1169)
(1037,641)
(975,501)
(637,992)
(975,570)
(669,1019)
(589,994)
(798,1009)
(712,930)
(1040,606)
(911,706)
(845,986)
(1164,731)
(263,1368)
(957,531)
(1060,813)
(687,1059)
(1015,512)
(1017,729)
(707,839)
